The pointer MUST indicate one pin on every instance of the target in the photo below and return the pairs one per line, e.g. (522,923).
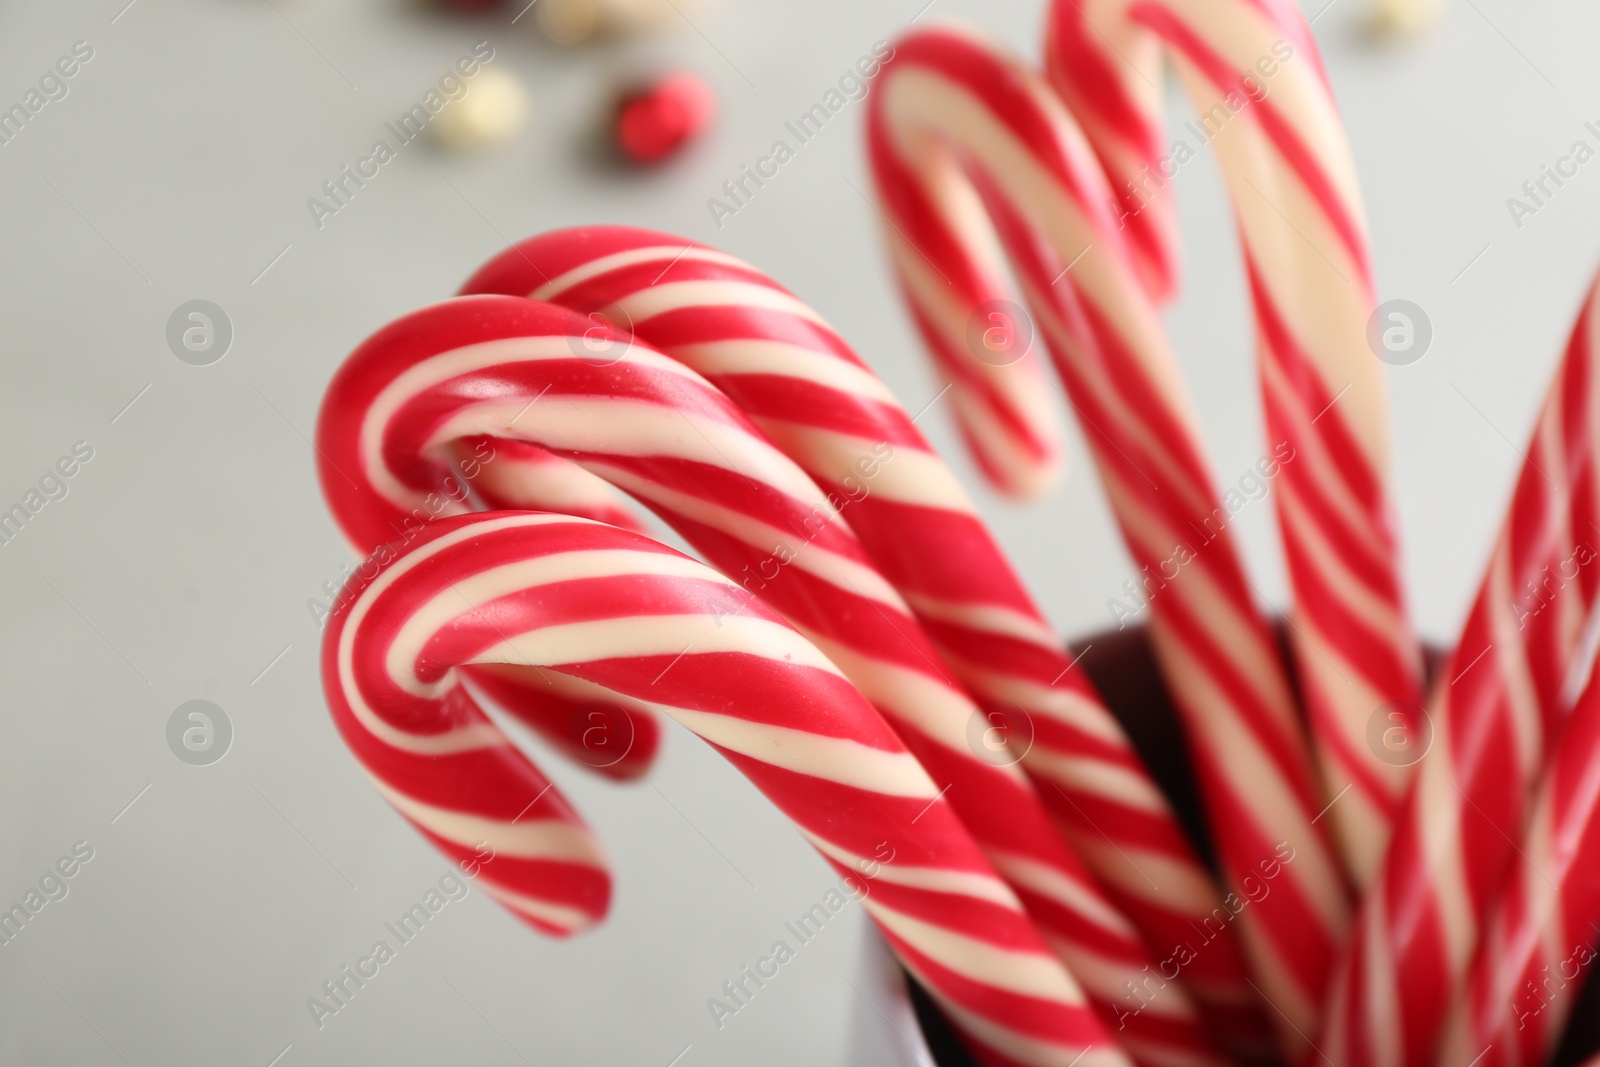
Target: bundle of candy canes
(853,639)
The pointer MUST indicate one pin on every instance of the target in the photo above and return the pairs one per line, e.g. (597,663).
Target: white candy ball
(494,108)
(1395,18)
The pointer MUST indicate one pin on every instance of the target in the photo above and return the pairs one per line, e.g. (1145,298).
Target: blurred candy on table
(576,21)
(1395,18)
(656,120)
(494,107)
(569,21)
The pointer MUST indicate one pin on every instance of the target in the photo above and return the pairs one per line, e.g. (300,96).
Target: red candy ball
(657,120)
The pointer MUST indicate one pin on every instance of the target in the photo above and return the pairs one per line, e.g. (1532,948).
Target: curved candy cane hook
(613,608)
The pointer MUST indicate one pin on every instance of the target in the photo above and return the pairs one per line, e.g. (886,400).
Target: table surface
(179,564)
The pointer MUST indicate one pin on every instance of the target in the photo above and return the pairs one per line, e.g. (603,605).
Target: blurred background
(175,165)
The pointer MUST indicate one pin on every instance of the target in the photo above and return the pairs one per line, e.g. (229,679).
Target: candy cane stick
(614,609)
(651,426)
(822,406)
(1420,922)
(947,100)
(1254,75)
(457,778)
(1539,945)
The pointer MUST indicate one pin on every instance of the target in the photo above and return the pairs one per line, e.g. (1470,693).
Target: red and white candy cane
(1265,105)
(950,104)
(482,471)
(1539,946)
(615,609)
(1253,72)
(444,765)
(614,741)
(519,368)
(1491,722)
(815,399)
(1254,75)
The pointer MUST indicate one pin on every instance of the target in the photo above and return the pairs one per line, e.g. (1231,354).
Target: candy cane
(498,474)
(614,609)
(814,398)
(470,366)
(1490,716)
(948,104)
(1539,947)
(455,776)
(617,742)
(1253,73)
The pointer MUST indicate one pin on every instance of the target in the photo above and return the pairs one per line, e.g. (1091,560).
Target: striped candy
(949,101)
(505,365)
(439,760)
(615,741)
(614,609)
(1539,946)
(1265,106)
(521,472)
(1496,706)
(1252,70)
(497,473)
(814,398)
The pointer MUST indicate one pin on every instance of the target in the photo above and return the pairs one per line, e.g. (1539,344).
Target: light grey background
(179,565)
